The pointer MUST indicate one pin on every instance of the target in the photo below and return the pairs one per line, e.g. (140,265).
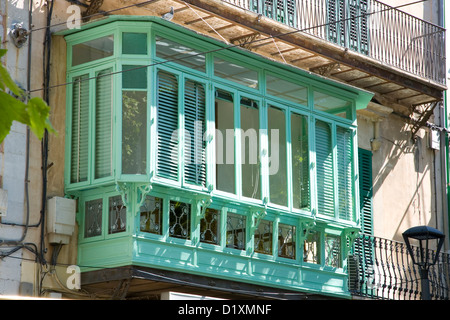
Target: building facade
(226,148)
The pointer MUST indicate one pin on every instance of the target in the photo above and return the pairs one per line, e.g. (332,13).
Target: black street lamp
(424,234)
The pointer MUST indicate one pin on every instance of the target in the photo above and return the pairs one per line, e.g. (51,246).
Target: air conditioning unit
(3,202)
(60,219)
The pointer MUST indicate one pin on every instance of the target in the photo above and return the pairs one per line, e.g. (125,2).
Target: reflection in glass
(332,105)
(210,226)
(263,237)
(93,218)
(286,90)
(236,225)
(250,161)
(117,215)
(92,50)
(286,241)
(181,54)
(277,156)
(300,161)
(311,248)
(236,73)
(224,136)
(151,215)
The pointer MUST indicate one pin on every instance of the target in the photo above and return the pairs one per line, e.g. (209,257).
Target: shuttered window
(194,125)
(365,190)
(103,124)
(324,165)
(80,130)
(167,126)
(344,144)
(348,24)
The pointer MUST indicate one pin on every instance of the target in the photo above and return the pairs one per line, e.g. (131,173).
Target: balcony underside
(228,23)
(135,282)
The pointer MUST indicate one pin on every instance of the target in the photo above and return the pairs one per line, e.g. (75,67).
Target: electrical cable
(223,48)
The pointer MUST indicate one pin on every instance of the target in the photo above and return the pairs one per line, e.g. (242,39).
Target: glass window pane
(92,50)
(134,77)
(311,248)
(286,241)
(224,135)
(250,162)
(236,225)
(117,215)
(300,161)
(332,251)
(287,90)
(234,72)
(332,105)
(180,220)
(134,132)
(181,54)
(134,43)
(277,156)
(210,226)
(263,237)
(151,215)
(93,218)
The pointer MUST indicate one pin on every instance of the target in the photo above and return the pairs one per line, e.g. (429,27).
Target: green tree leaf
(34,114)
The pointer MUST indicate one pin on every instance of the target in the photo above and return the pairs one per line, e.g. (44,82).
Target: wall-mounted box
(60,219)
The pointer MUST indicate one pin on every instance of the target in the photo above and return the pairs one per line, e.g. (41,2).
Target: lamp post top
(423,233)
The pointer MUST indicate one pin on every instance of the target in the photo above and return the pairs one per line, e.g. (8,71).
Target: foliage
(34,114)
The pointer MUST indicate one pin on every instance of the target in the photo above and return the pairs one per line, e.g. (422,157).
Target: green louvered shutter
(103,124)
(167,125)
(80,129)
(344,144)
(324,165)
(194,123)
(365,190)
(361,260)
(336,22)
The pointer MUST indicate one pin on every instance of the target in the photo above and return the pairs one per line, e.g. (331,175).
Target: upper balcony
(364,43)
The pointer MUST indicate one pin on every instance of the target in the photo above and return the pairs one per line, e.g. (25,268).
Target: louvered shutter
(344,172)
(324,165)
(167,125)
(194,123)
(361,261)
(358,32)
(103,124)
(336,22)
(80,129)
(365,190)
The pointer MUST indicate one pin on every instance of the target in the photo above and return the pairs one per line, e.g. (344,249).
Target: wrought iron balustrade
(368,27)
(382,269)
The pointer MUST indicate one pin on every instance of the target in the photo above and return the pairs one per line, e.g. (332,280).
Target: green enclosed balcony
(192,157)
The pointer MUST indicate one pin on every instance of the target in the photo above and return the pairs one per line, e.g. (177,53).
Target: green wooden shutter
(336,22)
(103,124)
(324,165)
(80,129)
(344,144)
(365,190)
(167,124)
(195,124)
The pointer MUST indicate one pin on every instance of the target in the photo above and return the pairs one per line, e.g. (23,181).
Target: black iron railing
(382,269)
(368,27)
